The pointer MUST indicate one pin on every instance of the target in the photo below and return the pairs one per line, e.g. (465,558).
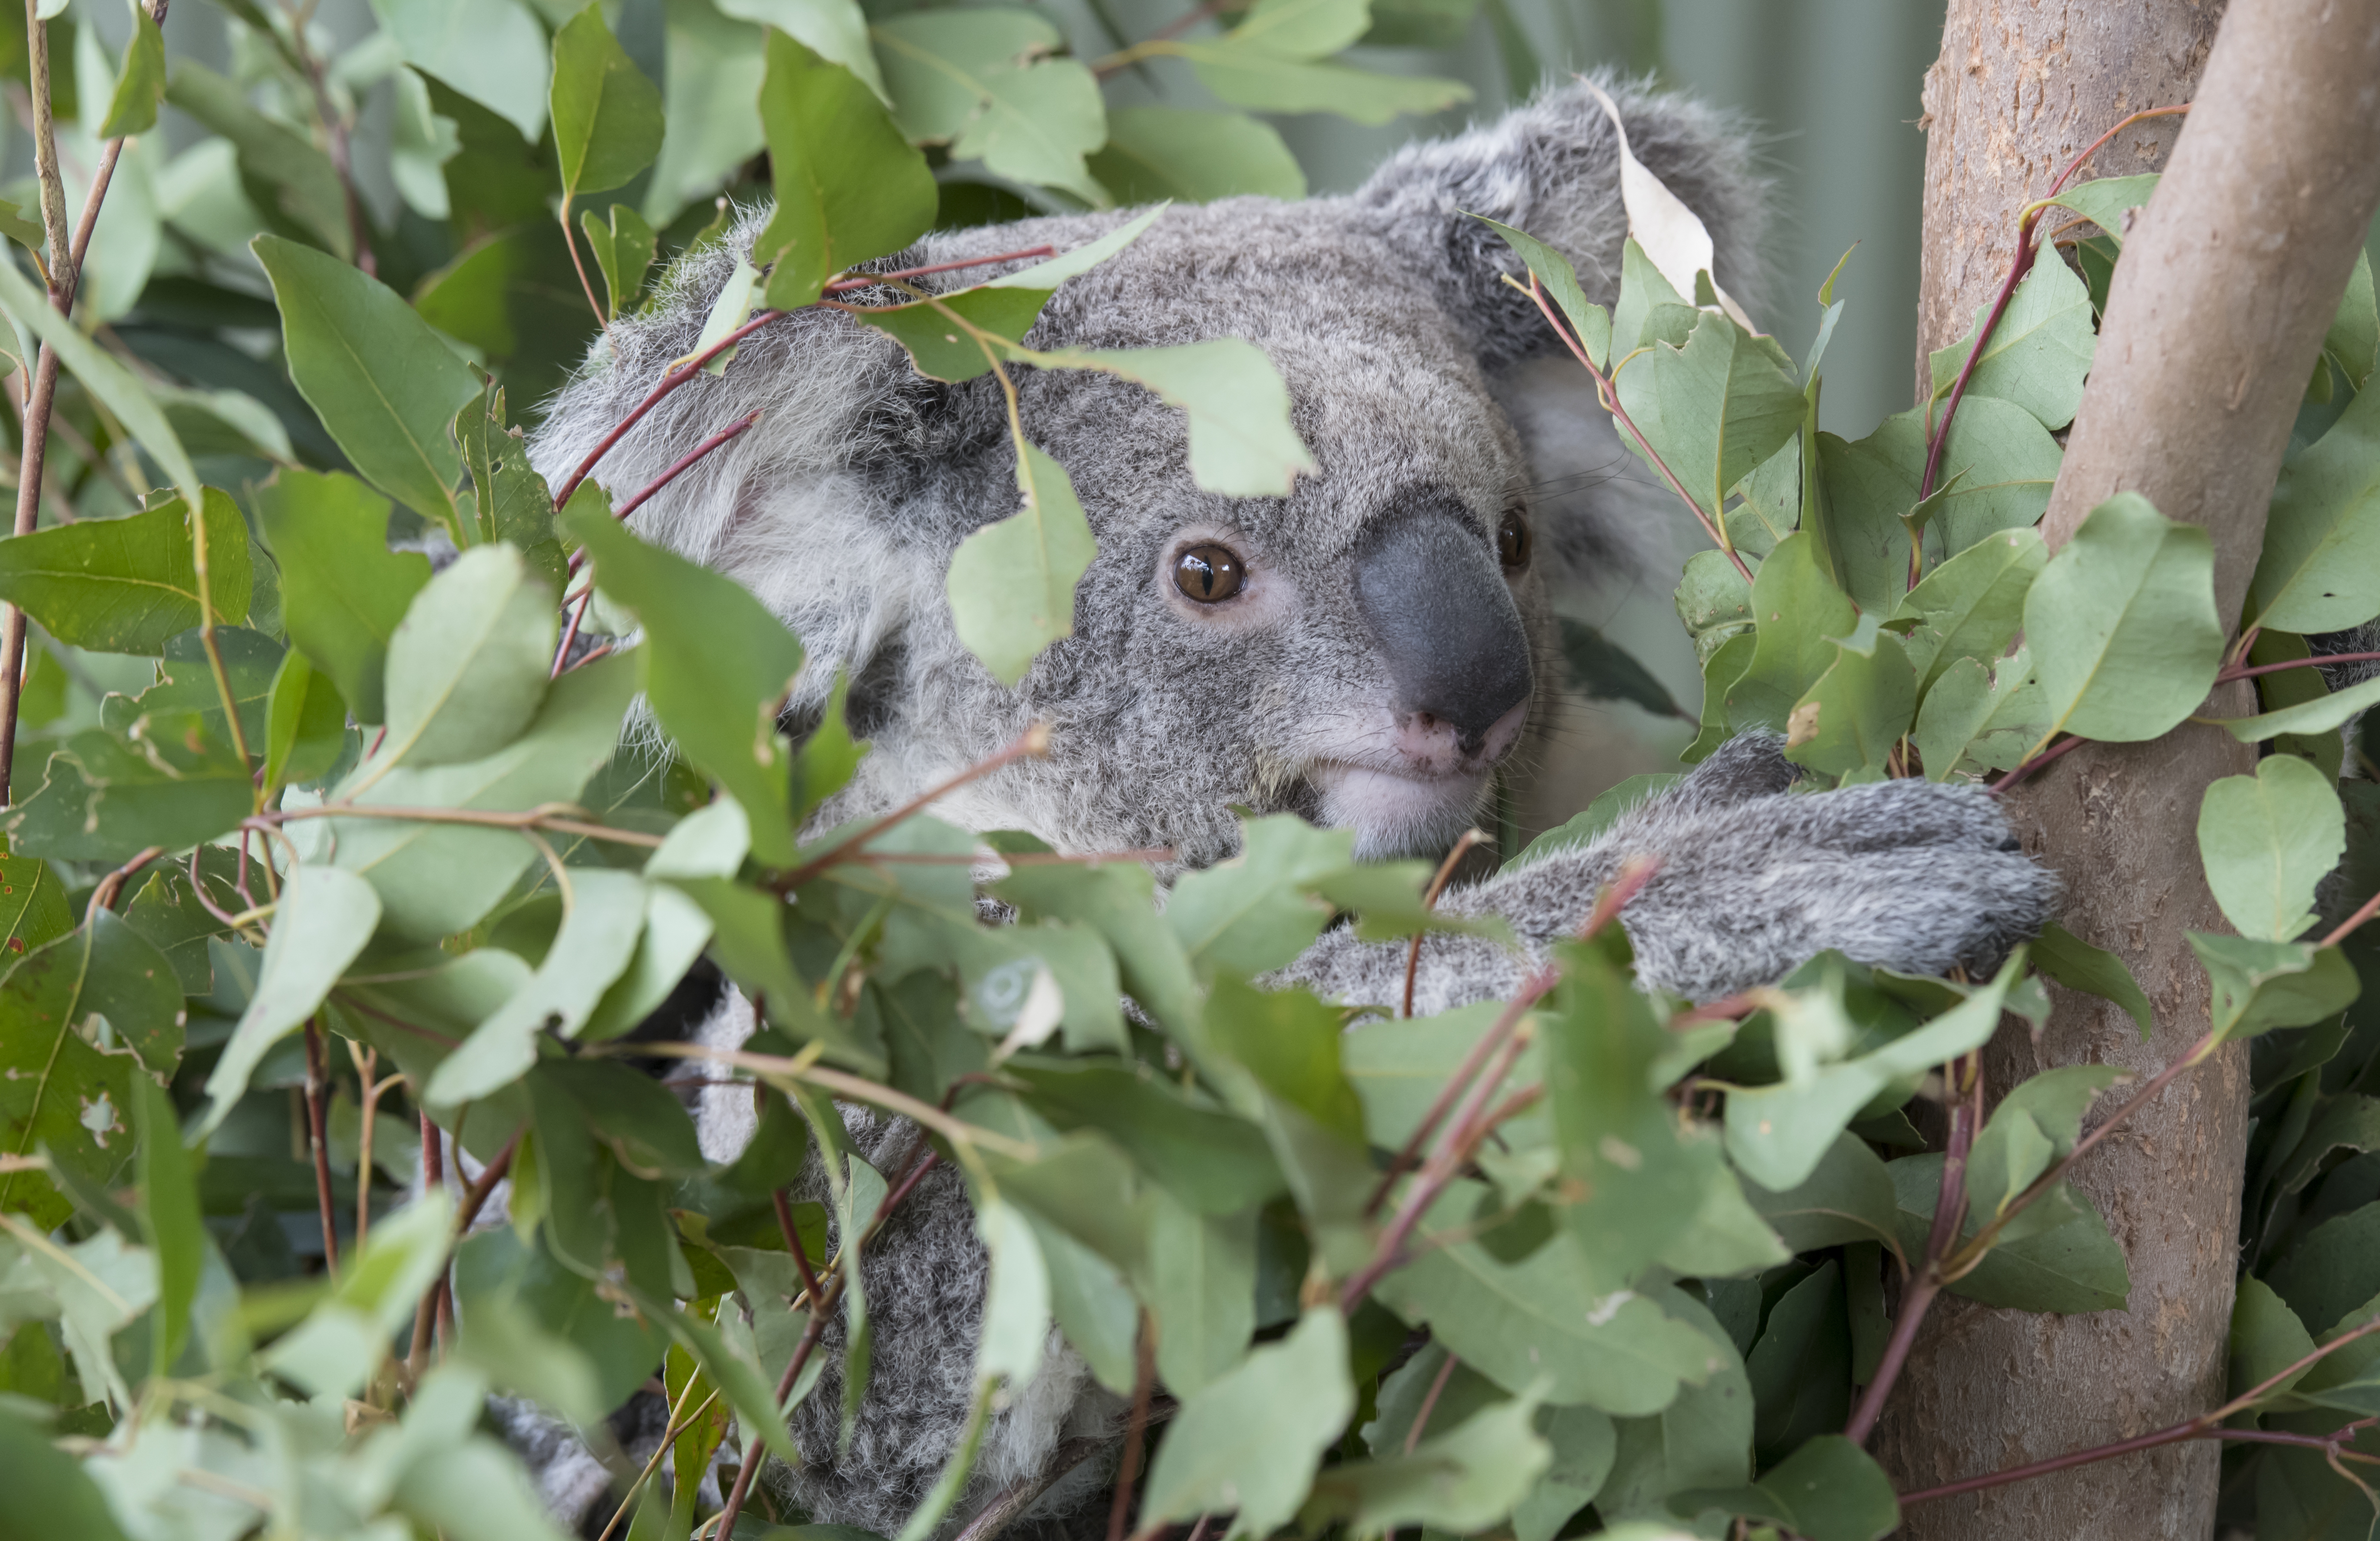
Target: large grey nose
(1434,596)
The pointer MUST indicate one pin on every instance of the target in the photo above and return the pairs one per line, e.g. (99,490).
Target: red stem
(318,1091)
(1144,1384)
(2035,763)
(2239,673)
(2194,1429)
(1950,1209)
(2371,907)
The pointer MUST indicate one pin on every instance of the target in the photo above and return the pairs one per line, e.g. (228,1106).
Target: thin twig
(425,1312)
(1143,1383)
(1430,902)
(2196,1428)
(2240,672)
(539,818)
(2340,934)
(1033,743)
(1608,394)
(1430,1402)
(366,1062)
(2062,746)
(691,368)
(676,469)
(104,896)
(1949,1211)
(318,1094)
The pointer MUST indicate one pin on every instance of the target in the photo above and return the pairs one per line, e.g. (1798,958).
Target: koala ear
(1552,168)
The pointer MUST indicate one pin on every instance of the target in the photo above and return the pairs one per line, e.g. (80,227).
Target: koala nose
(1431,591)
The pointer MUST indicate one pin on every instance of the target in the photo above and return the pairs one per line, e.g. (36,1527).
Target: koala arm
(1754,879)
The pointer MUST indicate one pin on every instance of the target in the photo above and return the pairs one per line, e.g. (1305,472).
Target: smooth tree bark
(2228,279)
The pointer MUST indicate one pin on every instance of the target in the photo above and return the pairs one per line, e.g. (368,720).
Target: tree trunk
(2021,87)
(2228,279)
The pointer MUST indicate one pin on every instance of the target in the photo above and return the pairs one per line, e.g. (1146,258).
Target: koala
(1363,653)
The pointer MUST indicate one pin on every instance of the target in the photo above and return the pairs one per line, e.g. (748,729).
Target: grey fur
(1383,312)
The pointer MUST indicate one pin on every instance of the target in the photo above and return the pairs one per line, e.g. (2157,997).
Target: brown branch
(104,896)
(1015,1500)
(318,1094)
(2338,934)
(1144,1384)
(2063,746)
(2236,671)
(425,1311)
(1430,902)
(538,818)
(1430,1402)
(1033,743)
(1949,1211)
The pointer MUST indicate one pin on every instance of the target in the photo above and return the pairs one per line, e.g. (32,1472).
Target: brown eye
(1208,573)
(1512,540)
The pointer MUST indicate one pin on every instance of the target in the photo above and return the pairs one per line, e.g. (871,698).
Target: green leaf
(1800,1366)
(1589,323)
(1212,1161)
(1514,1322)
(1012,582)
(1799,612)
(127,585)
(1970,606)
(284,172)
(2061,955)
(980,81)
(170,1220)
(1828,1490)
(2349,1122)
(1995,476)
(344,592)
(1249,1440)
(1250,76)
(2068,1267)
(2035,1124)
(383,383)
(2122,624)
(2104,200)
(2323,714)
(437,878)
(344,1340)
(1242,443)
(306,724)
(324,917)
(1254,912)
(1004,307)
(849,188)
(169,779)
(32,905)
(2266,1339)
(2329,1272)
(1702,1439)
(133,109)
(1015,1300)
(1636,1188)
(1598,816)
(1849,722)
(1154,155)
(607,117)
(623,248)
(598,937)
(2353,341)
(836,30)
(1200,1285)
(1846,1198)
(2038,354)
(2268,840)
(2322,538)
(720,666)
(1778,1134)
(492,51)
(467,667)
(2263,985)
(1713,409)
(1602,671)
(1460,1481)
(53,1495)
(58,1094)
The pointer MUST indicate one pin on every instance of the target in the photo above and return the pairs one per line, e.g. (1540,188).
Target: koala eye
(1208,573)
(1512,541)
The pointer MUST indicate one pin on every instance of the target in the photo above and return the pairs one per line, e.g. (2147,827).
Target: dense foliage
(325,873)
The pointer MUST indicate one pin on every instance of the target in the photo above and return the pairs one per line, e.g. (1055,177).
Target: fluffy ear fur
(1552,169)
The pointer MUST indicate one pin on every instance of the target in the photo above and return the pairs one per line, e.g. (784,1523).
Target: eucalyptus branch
(1608,394)
(2206,1425)
(2239,671)
(2020,263)
(690,367)
(318,1096)
(570,242)
(1438,883)
(1144,1382)
(680,1420)
(2027,767)
(842,1087)
(104,896)
(2340,934)
(1032,744)
(556,817)
(335,136)
(1949,1211)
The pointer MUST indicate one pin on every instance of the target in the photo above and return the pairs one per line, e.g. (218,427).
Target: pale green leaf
(324,917)
(2268,840)
(2122,624)
(607,117)
(1012,583)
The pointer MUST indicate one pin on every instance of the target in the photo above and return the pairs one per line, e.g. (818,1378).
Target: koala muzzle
(1430,590)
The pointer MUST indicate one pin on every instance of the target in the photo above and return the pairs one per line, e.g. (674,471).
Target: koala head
(1363,651)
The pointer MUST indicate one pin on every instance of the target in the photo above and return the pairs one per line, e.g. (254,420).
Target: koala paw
(1910,875)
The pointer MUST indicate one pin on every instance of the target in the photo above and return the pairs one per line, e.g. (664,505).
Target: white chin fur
(1398,815)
